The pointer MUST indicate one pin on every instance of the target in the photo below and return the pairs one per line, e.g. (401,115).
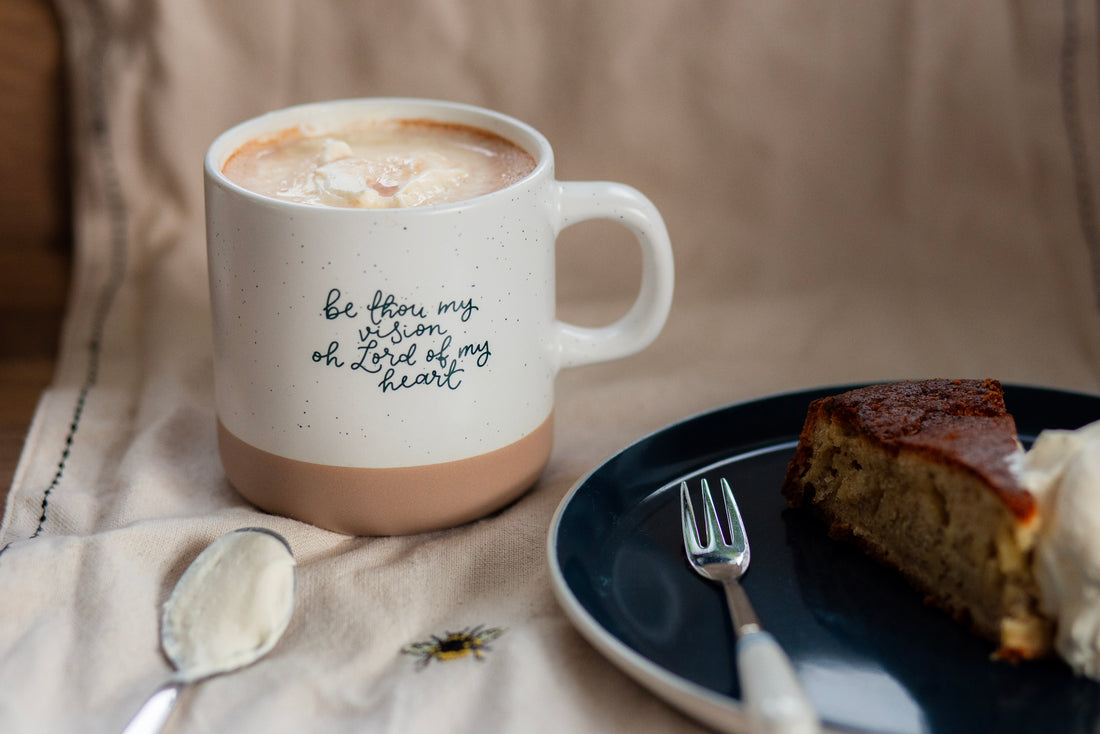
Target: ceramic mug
(390,371)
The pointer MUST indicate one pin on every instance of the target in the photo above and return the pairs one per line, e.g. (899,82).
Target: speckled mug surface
(390,371)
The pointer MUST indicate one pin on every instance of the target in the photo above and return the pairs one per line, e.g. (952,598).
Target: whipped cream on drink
(1062,469)
(379,164)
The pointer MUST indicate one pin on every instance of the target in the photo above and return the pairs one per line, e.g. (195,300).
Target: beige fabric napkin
(855,191)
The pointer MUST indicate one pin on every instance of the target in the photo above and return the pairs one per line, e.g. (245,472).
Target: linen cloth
(854,190)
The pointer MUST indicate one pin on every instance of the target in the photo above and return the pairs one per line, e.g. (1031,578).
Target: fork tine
(687,518)
(739,539)
(714,530)
(774,698)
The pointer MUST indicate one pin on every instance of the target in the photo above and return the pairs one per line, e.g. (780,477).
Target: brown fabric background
(855,191)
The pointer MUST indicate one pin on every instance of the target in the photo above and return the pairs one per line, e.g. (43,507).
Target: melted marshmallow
(379,164)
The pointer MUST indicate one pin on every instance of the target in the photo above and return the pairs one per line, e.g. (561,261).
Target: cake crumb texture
(916,474)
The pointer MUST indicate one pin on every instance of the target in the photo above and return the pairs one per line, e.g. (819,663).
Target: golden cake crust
(962,423)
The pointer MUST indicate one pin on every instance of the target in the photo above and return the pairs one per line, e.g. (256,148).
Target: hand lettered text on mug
(403,344)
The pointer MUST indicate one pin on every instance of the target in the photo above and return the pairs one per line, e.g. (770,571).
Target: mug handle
(582,200)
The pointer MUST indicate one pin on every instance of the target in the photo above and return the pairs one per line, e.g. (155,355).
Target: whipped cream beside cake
(1062,469)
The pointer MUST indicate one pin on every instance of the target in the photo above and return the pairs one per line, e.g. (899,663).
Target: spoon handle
(151,717)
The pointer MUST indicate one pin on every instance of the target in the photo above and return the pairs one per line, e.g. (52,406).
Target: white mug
(390,371)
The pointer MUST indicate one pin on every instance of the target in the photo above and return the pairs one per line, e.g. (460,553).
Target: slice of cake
(917,474)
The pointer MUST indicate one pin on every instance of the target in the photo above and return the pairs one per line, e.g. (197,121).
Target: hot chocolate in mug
(388,368)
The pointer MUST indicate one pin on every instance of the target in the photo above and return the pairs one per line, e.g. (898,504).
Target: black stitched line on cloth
(1075,136)
(116,211)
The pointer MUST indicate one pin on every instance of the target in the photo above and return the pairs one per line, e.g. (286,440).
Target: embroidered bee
(454,645)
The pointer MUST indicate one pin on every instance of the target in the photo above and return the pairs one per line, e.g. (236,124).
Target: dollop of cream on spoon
(231,605)
(228,610)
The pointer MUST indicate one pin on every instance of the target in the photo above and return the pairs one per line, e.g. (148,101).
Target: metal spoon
(227,611)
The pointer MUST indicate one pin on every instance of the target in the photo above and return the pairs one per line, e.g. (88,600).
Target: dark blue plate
(873,657)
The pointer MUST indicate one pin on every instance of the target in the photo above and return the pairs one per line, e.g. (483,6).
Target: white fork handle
(773,695)
(152,716)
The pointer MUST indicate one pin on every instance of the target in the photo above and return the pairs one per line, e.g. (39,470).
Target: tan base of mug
(396,501)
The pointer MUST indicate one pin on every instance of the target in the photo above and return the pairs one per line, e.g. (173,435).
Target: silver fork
(774,698)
